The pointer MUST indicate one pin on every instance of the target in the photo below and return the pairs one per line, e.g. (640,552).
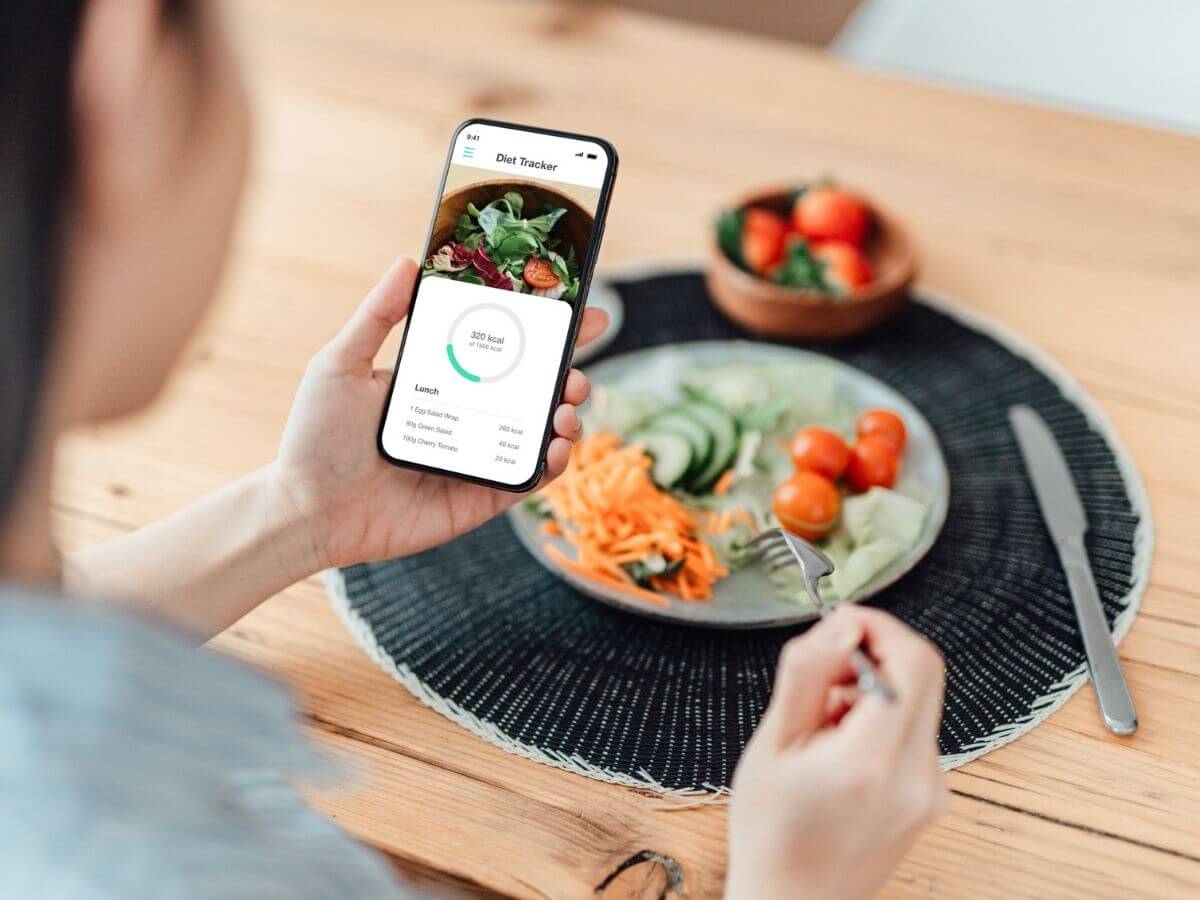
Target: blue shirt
(132,765)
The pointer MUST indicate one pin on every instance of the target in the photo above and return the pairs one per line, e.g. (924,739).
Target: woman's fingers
(567,429)
(912,665)
(841,699)
(809,667)
(566,422)
(577,389)
(381,310)
(557,456)
(593,324)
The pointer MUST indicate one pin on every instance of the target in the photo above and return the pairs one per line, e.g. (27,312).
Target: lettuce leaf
(882,514)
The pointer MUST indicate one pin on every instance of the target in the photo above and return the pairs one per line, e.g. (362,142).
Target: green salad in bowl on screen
(498,246)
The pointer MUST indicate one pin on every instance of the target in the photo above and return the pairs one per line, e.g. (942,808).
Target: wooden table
(1081,234)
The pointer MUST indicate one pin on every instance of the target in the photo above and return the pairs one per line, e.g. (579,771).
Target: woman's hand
(834,786)
(356,506)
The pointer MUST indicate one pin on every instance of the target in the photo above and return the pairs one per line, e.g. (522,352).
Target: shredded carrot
(551,528)
(684,590)
(724,483)
(561,558)
(608,508)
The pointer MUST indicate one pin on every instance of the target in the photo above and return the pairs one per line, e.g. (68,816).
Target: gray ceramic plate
(747,599)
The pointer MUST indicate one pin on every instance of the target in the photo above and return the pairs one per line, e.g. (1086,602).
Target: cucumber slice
(724,433)
(672,455)
(677,421)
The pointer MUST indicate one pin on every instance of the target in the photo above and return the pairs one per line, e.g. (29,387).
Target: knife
(1063,513)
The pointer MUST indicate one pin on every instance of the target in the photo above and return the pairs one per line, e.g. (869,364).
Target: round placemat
(484,635)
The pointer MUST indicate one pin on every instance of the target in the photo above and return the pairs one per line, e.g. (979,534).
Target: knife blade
(1066,521)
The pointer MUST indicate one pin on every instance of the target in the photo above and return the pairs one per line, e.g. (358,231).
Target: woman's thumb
(381,310)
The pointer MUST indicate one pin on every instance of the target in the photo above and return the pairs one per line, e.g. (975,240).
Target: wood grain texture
(1080,234)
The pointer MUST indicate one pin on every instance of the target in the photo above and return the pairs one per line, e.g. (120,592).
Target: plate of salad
(690,450)
(510,235)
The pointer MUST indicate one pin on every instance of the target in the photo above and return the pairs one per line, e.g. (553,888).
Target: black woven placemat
(484,634)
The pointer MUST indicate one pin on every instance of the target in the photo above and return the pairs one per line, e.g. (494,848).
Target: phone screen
(497,305)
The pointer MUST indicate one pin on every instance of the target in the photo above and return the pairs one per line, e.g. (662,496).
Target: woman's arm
(206,566)
(328,500)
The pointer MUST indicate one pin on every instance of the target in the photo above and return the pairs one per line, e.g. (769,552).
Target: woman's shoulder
(95,663)
(130,758)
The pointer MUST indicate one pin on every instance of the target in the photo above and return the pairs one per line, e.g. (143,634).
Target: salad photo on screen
(520,241)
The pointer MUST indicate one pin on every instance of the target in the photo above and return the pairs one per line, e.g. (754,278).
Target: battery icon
(592,156)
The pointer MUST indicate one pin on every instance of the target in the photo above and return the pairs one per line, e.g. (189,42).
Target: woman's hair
(37,46)
(37,42)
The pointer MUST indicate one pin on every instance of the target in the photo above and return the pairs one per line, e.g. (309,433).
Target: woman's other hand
(356,506)
(834,786)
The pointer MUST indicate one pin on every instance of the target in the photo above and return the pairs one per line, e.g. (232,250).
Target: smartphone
(497,306)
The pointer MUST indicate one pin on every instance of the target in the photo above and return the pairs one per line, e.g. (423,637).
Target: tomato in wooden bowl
(818,262)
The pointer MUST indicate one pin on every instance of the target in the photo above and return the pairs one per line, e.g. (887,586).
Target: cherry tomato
(874,462)
(884,423)
(846,267)
(807,505)
(762,239)
(539,273)
(820,450)
(825,214)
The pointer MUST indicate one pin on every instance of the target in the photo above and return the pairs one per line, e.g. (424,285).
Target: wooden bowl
(772,309)
(574,228)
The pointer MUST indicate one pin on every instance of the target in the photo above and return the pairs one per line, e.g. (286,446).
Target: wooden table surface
(1081,234)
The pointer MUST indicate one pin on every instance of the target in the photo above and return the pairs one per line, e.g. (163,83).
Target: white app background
(476,380)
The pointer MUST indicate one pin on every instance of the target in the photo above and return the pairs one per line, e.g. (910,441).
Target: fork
(778,549)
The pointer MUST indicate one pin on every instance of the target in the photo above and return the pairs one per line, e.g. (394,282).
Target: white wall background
(1122,58)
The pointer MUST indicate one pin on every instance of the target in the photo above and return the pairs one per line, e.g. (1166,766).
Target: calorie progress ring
(513,356)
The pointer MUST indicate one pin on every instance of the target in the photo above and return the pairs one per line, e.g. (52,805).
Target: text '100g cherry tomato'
(807,504)
(885,424)
(875,462)
(820,450)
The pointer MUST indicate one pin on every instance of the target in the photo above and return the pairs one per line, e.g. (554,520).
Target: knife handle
(1116,704)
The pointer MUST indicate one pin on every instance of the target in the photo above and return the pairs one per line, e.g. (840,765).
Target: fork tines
(772,548)
(778,548)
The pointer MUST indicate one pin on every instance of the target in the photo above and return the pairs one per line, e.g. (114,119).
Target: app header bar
(542,157)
